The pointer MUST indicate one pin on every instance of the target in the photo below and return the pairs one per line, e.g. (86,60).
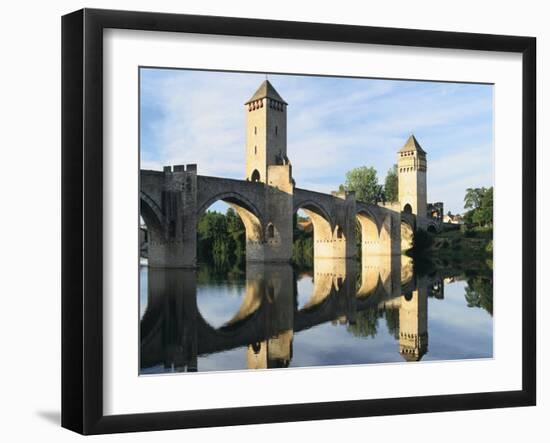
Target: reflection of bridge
(174,333)
(172,201)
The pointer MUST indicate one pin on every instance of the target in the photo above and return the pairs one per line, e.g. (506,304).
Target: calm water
(341,312)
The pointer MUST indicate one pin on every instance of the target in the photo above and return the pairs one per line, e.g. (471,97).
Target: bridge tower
(411,167)
(267,162)
(265,132)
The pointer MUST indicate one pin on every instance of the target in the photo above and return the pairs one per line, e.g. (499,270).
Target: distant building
(456,219)
(435,211)
(305,225)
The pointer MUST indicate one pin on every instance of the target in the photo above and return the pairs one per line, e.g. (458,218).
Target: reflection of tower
(413,323)
(276,286)
(265,133)
(273,353)
(411,166)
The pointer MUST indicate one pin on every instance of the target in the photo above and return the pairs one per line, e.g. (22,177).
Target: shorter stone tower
(411,168)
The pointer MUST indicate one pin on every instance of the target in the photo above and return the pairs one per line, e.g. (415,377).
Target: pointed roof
(266,89)
(412,145)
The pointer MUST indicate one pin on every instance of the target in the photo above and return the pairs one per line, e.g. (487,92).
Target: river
(262,316)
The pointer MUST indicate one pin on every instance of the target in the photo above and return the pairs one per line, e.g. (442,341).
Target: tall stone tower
(265,132)
(267,162)
(411,167)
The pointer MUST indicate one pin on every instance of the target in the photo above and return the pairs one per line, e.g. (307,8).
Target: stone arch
(248,213)
(316,208)
(376,251)
(322,228)
(150,212)
(407,209)
(369,230)
(232,198)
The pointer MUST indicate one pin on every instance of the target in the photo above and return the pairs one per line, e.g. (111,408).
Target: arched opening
(255,177)
(368,250)
(339,233)
(407,209)
(369,234)
(407,236)
(313,235)
(228,230)
(270,231)
(150,227)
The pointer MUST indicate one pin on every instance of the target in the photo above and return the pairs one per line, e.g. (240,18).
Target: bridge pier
(272,241)
(172,222)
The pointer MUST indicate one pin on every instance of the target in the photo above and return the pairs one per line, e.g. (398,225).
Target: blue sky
(334,124)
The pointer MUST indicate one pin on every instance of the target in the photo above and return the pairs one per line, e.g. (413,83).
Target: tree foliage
(221,242)
(391,185)
(221,238)
(479,202)
(366,323)
(364,182)
(302,248)
(479,293)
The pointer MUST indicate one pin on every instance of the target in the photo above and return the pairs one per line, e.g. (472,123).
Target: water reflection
(274,316)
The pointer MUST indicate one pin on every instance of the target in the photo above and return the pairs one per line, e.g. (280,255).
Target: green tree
(392,321)
(472,198)
(391,185)
(364,182)
(221,239)
(479,201)
(302,248)
(479,293)
(366,323)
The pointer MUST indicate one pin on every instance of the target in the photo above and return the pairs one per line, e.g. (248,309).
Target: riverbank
(465,249)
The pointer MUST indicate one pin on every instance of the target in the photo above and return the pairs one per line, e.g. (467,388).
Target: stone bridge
(172,202)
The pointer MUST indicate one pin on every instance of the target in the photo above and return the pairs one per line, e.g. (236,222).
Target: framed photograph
(269,221)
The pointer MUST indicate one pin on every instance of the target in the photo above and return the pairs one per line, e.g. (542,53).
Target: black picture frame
(82,215)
